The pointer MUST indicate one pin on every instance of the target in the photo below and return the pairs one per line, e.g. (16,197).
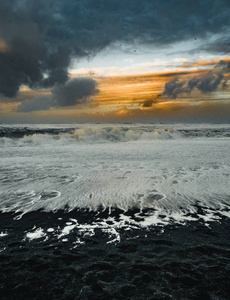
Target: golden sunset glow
(136,96)
(143,91)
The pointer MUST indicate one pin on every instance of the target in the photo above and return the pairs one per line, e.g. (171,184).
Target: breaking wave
(96,133)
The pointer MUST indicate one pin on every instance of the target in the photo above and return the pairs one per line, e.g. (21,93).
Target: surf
(163,170)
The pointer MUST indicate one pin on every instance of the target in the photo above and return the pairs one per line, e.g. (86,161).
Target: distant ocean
(105,211)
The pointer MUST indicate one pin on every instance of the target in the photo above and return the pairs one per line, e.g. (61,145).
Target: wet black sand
(170,262)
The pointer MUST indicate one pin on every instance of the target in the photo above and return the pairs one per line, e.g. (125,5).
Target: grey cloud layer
(206,83)
(219,46)
(74,91)
(43,36)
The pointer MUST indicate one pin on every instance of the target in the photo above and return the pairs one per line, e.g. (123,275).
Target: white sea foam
(36,234)
(3,234)
(125,166)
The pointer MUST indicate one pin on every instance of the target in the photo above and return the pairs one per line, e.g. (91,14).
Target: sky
(114,61)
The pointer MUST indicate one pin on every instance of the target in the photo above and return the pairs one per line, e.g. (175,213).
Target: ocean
(115,211)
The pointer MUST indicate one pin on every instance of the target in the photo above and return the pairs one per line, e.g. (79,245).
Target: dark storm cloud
(205,83)
(219,46)
(74,91)
(174,87)
(41,37)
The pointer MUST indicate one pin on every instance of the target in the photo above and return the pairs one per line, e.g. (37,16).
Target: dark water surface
(189,261)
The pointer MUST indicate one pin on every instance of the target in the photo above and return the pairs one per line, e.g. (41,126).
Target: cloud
(149,102)
(74,91)
(174,87)
(205,83)
(219,46)
(225,64)
(215,111)
(216,63)
(40,38)
(37,103)
(168,112)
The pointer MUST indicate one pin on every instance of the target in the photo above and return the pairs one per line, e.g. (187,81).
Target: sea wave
(104,133)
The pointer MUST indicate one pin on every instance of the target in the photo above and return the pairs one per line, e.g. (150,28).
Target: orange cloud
(204,63)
